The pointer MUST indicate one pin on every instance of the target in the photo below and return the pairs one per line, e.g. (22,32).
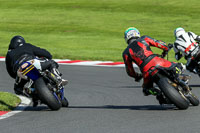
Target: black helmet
(16,41)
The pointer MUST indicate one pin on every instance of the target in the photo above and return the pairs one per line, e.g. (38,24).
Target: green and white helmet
(131,32)
(178,31)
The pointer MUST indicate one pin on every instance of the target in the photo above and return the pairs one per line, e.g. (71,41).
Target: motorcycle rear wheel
(177,98)
(46,95)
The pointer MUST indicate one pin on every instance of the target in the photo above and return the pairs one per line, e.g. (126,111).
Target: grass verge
(8,101)
(93,29)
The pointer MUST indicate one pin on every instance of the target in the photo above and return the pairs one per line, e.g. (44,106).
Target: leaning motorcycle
(196,62)
(174,86)
(42,85)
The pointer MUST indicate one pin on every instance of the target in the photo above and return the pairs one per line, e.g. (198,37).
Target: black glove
(170,45)
(178,56)
(180,66)
(54,64)
(164,53)
(138,77)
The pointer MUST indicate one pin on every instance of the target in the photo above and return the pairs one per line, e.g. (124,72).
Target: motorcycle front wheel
(65,102)
(193,99)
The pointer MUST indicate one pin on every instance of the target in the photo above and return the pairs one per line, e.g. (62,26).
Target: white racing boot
(64,82)
(58,75)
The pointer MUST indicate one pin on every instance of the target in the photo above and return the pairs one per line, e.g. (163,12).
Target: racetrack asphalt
(102,99)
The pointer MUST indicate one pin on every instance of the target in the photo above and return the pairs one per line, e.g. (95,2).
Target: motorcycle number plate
(24,65)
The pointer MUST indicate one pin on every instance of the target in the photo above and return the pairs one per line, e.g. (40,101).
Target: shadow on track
(38,108)
(138,107)
(130,86)
(114,107)
(155,86)
(31,108)
(194,85)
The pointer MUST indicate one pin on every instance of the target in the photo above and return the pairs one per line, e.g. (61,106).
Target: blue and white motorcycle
(43,85)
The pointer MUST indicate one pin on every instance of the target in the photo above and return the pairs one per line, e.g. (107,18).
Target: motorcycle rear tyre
(46,95)
(172,94)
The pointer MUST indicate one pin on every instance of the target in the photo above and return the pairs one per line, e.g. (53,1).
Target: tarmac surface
(102,100)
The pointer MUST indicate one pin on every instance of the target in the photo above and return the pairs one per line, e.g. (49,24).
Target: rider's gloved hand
(170,45)
(180,66)
(164,53)
(138,77)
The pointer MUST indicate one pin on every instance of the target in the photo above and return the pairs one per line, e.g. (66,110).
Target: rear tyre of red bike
(177,98)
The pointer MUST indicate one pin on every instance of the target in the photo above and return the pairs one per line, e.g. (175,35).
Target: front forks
(182,87)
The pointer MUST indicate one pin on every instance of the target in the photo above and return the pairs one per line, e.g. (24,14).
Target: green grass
(93,29)
(8,101)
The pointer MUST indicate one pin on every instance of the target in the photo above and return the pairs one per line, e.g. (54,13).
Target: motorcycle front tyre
(65,102)
(193,99)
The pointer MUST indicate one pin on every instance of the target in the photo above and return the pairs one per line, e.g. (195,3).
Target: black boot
(18,90)
(58,76)
(35,100)
(151,91)
(19,85)
(160,99)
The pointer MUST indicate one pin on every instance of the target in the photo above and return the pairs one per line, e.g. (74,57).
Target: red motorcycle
(173,85)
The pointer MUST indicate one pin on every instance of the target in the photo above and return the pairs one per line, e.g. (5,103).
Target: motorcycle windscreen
(29,70)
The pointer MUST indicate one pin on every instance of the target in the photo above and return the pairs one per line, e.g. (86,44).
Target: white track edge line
(24,103)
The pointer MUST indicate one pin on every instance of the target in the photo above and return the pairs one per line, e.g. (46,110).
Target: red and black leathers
(14,54)
(140,53)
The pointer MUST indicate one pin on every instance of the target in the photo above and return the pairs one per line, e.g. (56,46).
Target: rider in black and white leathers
(186,45)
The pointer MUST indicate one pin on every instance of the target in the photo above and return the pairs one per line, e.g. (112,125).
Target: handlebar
(170,45)
(164,53)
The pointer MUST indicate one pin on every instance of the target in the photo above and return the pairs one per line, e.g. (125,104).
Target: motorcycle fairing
(30,70)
